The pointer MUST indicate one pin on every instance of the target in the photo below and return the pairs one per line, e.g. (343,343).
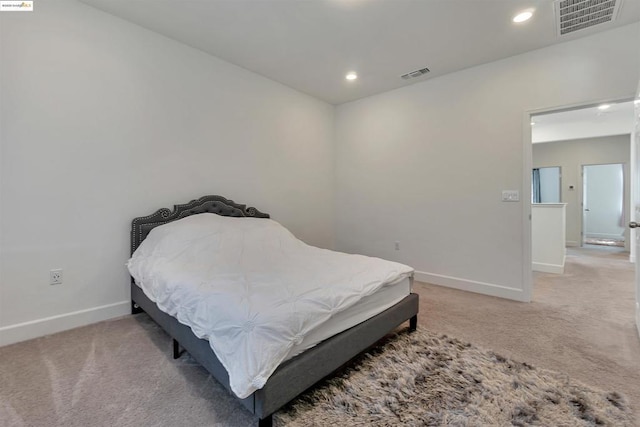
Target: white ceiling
(584,123)
(310,45)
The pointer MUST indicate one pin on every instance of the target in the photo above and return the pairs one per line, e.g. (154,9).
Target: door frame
(583,230)
(527,160)
(634,193)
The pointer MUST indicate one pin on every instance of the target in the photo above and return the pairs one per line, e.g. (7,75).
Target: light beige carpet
(120,372)
(581,322)
(604,242)
(419,379)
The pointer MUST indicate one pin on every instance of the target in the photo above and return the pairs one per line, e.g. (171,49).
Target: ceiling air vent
(574,15)
(414,74)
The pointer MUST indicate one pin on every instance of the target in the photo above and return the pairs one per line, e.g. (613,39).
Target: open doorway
(592,150)
(603,205)
(571,139)
(598,143)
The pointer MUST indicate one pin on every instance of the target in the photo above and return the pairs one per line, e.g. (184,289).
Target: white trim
(50,325)
(638,317)
(633,193)
(548,268)
(583,225)
(527,166)
(549,205)
(572,244)
(472,286)
(605,236)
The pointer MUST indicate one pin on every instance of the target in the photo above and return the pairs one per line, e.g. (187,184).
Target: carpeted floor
(605,242)
(419,379)
(120,372)
(581,322)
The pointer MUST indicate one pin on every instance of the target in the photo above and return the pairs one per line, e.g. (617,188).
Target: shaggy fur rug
(418,379)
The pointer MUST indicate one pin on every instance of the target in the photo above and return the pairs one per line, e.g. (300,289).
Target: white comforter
(250,287)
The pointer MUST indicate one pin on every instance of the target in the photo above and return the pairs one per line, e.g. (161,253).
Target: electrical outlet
(397,246)
(55,277)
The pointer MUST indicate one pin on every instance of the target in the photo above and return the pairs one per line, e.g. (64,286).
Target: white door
(636,220)
(603,202)
(585,206)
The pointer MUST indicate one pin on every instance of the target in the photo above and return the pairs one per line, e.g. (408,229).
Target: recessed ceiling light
(637,101)
(523,16)
(604,106)
(351,76)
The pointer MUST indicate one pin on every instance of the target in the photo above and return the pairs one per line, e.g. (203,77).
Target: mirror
(545,185)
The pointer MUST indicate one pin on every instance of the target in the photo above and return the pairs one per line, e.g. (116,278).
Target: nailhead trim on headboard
(141,226)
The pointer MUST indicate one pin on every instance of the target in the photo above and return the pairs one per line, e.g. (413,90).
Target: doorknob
(634,224)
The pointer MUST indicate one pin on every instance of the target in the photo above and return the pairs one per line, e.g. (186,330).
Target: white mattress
(365,309)
(255,291)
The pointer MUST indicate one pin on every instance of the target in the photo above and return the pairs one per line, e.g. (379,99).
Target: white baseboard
(638,318)
(472,286)
(548,268)
(50,325)
(605,236)
(572,244)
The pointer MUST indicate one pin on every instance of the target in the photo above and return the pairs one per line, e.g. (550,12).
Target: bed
(303,370)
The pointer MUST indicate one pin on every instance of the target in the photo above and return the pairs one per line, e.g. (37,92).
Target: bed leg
(266,422)
(135,308)
(176,349)
(413,323)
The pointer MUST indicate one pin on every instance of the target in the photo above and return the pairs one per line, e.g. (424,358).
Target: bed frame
(293,376)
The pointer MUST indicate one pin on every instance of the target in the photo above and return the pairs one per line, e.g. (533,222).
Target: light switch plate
(510,196)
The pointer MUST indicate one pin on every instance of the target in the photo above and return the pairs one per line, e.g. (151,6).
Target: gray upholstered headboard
(141,226)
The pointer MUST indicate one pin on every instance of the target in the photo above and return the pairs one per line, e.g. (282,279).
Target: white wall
(548,237)
(103,121)
(425,165)
(571,155)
